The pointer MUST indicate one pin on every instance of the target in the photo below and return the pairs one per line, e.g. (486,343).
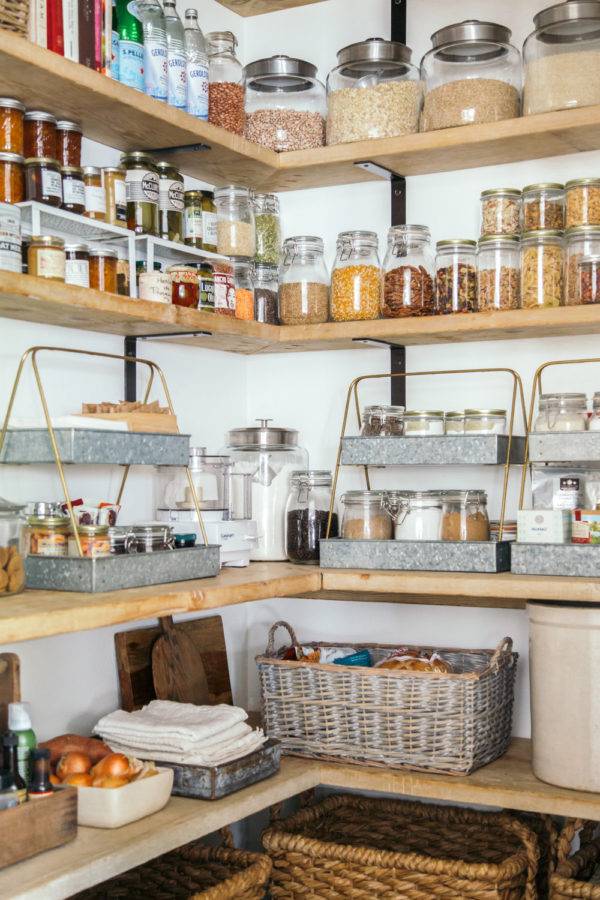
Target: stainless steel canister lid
(263,436)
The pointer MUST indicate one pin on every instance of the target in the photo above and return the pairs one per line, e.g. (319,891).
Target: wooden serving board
(10,685)
(155,423)
(134,660)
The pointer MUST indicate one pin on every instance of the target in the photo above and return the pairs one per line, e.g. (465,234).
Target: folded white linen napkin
(221,753)
(152,743)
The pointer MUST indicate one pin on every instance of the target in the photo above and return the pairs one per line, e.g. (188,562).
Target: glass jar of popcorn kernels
(356,283)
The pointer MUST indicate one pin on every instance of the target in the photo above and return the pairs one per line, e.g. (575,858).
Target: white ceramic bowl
(115,807)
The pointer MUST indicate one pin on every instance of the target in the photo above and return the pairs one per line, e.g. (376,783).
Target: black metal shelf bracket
(162,151)
(130,375)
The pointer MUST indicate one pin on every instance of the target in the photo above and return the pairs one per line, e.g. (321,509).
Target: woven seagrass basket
(364,848)
(14,16)
(451,724)
(195,871)
(572,873)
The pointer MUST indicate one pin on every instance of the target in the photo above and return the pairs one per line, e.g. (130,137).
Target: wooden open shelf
(98,854)
(258,7)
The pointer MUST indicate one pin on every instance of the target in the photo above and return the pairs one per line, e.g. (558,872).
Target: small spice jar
(95,197)
(382,420)
(583,202)
(103,269)
(155,286)
(266,284)
(456,276)
(498,272)
(12,178)
(77,265)
(244,294)
(268,229)
(408,273)
(10,238)
(454,423)
(94,541)
(206,283)
(73,189)
(11,125)
(588,280)
(47,535)
(184,286)
(68,143)
(235,222)
(39,135)
(43,180)
(113,179)
(141,181)
(303,282)
(365,516)
(544,206)
(224,290)
(417,515)
(170,202)
(46,257)
(307,515)
(542,268)
(356,277)
(501,211)
(464,516)
(423,423)
(225,82)
(561,413)
(580,242)
(485,421)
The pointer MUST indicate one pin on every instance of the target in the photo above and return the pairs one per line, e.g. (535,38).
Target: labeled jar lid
(265,271)
(501,192)
(374,56)
(280,73)
(72,170)
(543,186)
(67,125)
(11,103)
(562,396)
(46,240)
(263,436)
(421,413)
(42,161)
(15,158)
(470,41)
(109,252)
(569,14)
(39,116)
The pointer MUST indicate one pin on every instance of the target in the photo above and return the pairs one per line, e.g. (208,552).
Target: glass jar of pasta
(580,242)
(356,277)
(542,268)
(456,276)
(408,273)
(498,272)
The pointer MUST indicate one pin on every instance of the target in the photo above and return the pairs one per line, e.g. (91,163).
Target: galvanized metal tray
(556,559)
(115,573)
(90,446)
(443,450)
(574,447)
(432,556)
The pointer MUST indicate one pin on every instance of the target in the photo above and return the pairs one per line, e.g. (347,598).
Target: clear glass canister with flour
(417,515)
(562,58)
(270,454)
(561,413)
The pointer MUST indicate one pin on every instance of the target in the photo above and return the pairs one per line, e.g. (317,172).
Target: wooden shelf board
(259,7)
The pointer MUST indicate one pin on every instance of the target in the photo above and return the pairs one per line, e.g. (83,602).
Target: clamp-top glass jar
(225,82)
(562,57)
(374,91)
(561,413)
(307,515)
(285,104)
(382,420)
(472,74)
(356,277)
(464,516)
(366,517)
(408,273)
(265,281)
(235,221)
(303,282)
(268,229)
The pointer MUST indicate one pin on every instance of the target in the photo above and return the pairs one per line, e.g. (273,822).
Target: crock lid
(375,51)
(280,73)
(263,436)
(470,41)
(569,14)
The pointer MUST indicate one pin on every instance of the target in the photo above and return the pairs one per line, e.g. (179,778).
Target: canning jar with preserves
(235,221)
(382,420)
(39,135)
(184,286)
(267,228)
(544,206)
(103,269)
(583,202)
(501,211)
(12,178)
(374,91)
(47,535)
(95,196)
(193,218)
(307,515)
(485,421)
(408,273)
(43,180)
(542,268)
(423,423)
(93,539)
(68,143)
(123,272)
(11,245)
(456,276)
(171,202)
(561,413)
(11,125)
(265,282)
(242,281)
(580,242)
(472,74)
(285,104)
(588,279)
(365,516)
(356,277)
(142,192)
(77,264)
(73,189)
(498,272)
(46,257)
(225,82)
(113,180)
(464,516)
(303,282)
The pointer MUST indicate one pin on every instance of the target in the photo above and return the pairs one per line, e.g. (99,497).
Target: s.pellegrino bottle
(155,48)
(197,67)
(131,45)
(176,64)
(114,44)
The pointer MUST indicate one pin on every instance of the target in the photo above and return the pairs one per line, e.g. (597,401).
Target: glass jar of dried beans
(456,276)
(225,82)
(408,273)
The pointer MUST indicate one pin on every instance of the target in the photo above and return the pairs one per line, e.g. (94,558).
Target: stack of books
(80,30)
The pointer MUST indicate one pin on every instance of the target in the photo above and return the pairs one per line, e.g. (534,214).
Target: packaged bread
(433,664)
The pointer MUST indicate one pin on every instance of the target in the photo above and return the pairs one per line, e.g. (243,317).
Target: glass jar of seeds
(303,282)
(456,276)
(235,222)
(307,515)
(501,211)
(542,268)
(498,272)
(543,206)
(356,279)
(268,229)
(225,82)
(408,273)
(266,283)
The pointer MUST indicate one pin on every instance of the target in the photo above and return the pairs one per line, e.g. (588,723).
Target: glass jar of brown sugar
(73,189)
(68,143)
(46,257)
(12,178)
(95,198)
(11,125)
(103,269)
(185,286)
(43,181)
(39,134)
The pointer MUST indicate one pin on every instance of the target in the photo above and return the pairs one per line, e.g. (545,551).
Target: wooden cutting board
(177,669)
(10,685)
(134,660)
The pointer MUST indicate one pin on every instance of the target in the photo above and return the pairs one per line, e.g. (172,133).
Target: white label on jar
(51,545)
(155,286)
(155,69)
(51,263)
(120,192)
(171,195)
(224,291)
(193,223)
(197,90)
(177,80)
(10,255)
(141,186)
(77,271)
(73,191)
(51,183)
(95,199)
(10,223)
(209,228)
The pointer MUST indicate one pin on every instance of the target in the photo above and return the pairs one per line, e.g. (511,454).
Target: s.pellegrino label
(197,90)
(131,64)
(155,70)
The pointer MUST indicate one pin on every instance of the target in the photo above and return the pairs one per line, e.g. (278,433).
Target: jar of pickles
(68,143)
(12,178)
(113,180)
(382,420)
(542,268)
(171,202)
(583,201)
(103,269)
(544,206)
(356,283)
(580,242)
(501,211)
(244,295)
(11,125)
(408,273)
(142,192)
(365,516)
(184,286)
(303,282)
(95,197)
(268,228)
(73,189)
(498,275)
(43,181)
(456,276)
(39,135)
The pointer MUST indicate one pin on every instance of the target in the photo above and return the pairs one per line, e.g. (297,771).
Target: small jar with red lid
(12,178)
(43,181)
(68,143)
(39,134)
(11,125)
(185,286)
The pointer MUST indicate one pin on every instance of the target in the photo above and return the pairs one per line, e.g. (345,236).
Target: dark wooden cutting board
(177,668)
(10,685)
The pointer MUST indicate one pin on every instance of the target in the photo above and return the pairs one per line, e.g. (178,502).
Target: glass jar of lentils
(408,273)
(544,206)
(303,282)
(542,268)
(225,82)
(456,276)
(356,277)
(501,211)
(498,275)
(265,282)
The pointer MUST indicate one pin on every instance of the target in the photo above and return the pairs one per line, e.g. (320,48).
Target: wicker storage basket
(364,849)
(451,724)
(194,871)
(572,873)
(14,16)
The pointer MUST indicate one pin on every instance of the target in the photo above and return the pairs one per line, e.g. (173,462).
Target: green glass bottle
(131,45)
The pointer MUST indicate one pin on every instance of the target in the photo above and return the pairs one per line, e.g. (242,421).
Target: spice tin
(10,237)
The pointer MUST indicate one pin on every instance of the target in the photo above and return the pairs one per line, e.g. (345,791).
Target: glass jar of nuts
(356,277)
(456,276)
(498,272)
(501,211)
(583,202)
(581,242)
(408,273)
(542,268)
(543,206)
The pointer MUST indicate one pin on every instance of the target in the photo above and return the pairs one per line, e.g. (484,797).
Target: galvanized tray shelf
(431,556)
(443,450)
(572,560)
(574,447)
(90,446)
(115,573)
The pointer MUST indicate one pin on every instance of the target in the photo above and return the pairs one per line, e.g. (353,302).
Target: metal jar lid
(39,115)
(42,161)
(76,248)
(46,240)
(91,170)
(420,413)
(105,252)
(313,477)
(263,437)
(11,103)
(72,170)
(11,158)
(373,56)
(543,186)
(40,508)
(364,496)
(138,156)
(570,14)
(280,73)
(471,41)
(455,414)
(500,192)
(541,234)
(67,125)
(508,239)
(92,530)
(455,243)
(49,521)
(485,412)
(582,231)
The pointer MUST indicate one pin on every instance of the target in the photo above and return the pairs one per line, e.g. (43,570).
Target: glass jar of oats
(583,202)
(542,268)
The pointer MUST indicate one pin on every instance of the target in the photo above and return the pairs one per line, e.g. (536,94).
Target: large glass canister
(235,221)
(12,571)
(465,516)
(408,273)
(374,91)
(471,74)
(270,455)
(171,202)
(366,516)
(142,192)
(267,228)
(580,242)
(456,276)
(498,272)
(225,82)
(285,104)
(307,515)
(356,282)
(561,57)
(303,282)
(542,268)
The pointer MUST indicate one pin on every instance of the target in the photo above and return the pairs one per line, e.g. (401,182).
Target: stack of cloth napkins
(181,733)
